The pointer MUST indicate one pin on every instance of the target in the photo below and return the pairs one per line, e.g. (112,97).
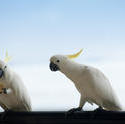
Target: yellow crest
(75,55)
(7,57)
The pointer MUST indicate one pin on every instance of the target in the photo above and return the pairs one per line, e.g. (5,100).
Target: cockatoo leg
(82,102)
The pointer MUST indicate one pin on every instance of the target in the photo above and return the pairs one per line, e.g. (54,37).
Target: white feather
(91,83)
(17,98)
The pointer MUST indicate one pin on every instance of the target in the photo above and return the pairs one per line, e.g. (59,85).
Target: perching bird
(13,93)
(91,83)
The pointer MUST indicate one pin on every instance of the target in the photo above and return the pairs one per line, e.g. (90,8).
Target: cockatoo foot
(96,111)
(73,110)
(4,114)
(3,91)
(99,109)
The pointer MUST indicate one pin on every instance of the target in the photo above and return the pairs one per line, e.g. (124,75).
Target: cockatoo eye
(58,61)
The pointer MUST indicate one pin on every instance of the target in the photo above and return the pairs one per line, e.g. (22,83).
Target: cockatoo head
(57,62)
(4,67)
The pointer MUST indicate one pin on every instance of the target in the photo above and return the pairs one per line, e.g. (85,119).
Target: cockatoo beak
(53,67)
(75,55)
(1,73)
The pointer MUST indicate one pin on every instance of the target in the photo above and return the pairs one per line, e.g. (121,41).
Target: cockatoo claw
(72,111)
(99,109)
(3,91)
(5,113)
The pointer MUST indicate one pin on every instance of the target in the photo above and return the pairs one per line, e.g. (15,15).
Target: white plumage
(16,97)
(91,83)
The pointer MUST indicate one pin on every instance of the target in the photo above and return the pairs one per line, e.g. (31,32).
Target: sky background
(34,30)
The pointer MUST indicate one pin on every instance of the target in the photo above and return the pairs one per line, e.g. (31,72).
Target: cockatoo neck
(71,69)
(8,75)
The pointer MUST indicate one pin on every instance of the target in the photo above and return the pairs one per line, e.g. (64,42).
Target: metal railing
(84,117)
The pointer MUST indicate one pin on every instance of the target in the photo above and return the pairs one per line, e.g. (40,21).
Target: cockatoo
(13,93)
(91,83)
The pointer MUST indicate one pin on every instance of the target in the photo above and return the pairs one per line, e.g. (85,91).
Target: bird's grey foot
(3,91)
(96,111)
(4,114)
(71,111)
(99,109)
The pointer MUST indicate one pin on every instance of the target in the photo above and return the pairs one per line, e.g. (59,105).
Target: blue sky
(33,30)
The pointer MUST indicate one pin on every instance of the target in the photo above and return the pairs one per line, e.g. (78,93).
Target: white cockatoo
(91,83)
(13,93)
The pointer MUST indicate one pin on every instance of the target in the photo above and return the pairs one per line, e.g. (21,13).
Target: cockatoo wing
(25,102)
(17,98)
(12,102)
(101,87)
(21,93)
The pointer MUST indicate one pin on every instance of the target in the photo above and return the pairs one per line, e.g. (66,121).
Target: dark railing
(85,117)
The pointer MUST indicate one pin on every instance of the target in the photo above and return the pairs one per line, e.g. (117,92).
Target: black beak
(1,72)
(53,67)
